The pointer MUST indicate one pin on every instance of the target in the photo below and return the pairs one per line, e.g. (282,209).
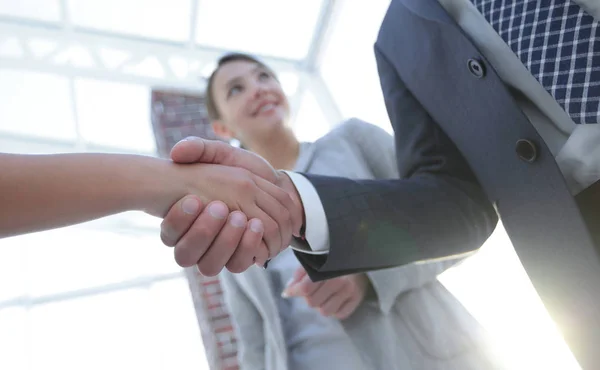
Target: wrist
(160,186)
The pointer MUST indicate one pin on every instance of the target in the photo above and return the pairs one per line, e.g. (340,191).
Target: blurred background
(128,76)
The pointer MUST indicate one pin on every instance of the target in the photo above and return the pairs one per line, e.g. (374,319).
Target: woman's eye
(234,90)
(264,76)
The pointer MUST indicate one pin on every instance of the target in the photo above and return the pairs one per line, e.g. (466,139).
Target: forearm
(39,192)
(381,224)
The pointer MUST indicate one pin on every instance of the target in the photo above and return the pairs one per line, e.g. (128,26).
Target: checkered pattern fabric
(559,43)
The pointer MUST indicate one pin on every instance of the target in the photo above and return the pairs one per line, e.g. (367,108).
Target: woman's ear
(222,131)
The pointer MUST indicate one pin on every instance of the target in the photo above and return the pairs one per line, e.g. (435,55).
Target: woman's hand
(338,297)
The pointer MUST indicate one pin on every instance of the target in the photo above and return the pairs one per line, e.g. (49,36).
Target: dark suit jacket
(456,136)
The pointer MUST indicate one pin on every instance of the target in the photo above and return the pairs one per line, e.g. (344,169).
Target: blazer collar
(305,157)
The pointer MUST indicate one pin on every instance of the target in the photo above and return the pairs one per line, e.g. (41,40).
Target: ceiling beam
(329,11)
(144,61)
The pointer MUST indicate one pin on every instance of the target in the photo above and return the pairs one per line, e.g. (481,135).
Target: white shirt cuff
(316,228)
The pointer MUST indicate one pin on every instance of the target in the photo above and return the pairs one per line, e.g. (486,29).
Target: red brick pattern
(176,115)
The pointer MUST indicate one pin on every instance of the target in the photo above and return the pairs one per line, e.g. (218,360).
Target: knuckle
(311,302)
(209,269)
(271,227)
(331,288)
(167,233)
(326,311)
(285,215)
(234,267)
(343,315)
(247,246)
(228,239)
(238,265)
(304,290)
(247,185)
(166,240)
(349,288)
(202,231)
(286,198)
(182,258)
(336,284)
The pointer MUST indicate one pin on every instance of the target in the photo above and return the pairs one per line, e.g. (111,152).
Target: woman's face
(250,101)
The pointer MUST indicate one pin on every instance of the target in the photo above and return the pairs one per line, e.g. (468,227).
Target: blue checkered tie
(559,43)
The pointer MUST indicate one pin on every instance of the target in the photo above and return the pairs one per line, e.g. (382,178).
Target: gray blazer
(410,322)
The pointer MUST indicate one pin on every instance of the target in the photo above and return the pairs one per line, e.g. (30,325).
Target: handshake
(229,208)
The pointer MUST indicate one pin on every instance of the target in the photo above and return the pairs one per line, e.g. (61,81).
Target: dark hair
(211,107)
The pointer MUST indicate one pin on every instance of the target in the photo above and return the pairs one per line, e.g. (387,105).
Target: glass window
(348,64)
(114,114)
(157,19)
(310,122)
(36,104)
(42,10)
(265,27)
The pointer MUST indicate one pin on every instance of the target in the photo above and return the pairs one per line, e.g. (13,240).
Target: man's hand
(196,235)
(337,297)
(215,226)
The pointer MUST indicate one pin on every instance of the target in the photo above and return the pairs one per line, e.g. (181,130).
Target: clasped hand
(240,210)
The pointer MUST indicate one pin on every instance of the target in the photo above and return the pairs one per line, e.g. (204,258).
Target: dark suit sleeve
(436,210)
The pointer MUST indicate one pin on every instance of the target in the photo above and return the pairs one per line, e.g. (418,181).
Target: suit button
(476,68)
(526,150)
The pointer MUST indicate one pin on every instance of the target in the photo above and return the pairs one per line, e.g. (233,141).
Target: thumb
(194,149)
(298,276)
(198,150)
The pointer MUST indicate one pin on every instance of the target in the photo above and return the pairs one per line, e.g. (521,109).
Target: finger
(323,293)
(347,308)
(290,289)
(224,245)
(179,219)
(283,197)
(299,274)
(304,288)
(262,258)
(282,233)
(270,228)
(333,304)
(192,246)
(249,248)
(295,207)
(194,149)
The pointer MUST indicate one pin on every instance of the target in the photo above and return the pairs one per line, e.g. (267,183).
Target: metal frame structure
(71,51)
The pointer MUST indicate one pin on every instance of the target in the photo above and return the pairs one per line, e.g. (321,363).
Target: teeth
(267,107)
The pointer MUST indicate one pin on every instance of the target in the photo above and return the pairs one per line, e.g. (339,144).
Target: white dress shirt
(576,147)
